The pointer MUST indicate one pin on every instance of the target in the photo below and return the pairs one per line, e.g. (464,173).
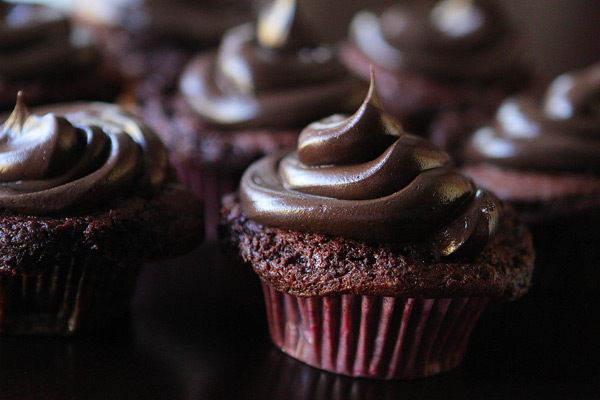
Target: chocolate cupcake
(543,156)
(376,256)
(442,67)
(85,201)
(51,61)
(249,98)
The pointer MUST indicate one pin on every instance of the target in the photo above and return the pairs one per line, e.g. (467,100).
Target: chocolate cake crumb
(127,229)
(310,264)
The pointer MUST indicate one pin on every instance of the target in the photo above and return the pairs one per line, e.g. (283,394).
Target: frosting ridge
(38,41)
(269,74)
(450,39)
(557,134)
(382,184)
(78,155)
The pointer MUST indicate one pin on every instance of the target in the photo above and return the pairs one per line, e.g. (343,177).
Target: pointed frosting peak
(279,26)
(14,125)
(372,94)
(346,140)
(74,156)
(270,74)
(363,177)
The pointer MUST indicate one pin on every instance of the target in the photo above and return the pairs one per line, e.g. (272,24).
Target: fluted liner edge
(373,336)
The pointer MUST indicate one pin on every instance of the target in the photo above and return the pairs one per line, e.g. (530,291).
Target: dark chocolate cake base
(66,274)
(310,264)
(376,310)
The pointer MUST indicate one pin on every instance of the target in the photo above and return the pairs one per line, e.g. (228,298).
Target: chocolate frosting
(37,41)
(363,177)
(77,156)
(560,134)
(450,39)
(269,75)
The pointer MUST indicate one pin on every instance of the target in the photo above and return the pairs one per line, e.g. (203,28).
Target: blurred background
(560,35)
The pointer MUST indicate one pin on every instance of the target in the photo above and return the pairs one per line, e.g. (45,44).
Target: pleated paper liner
(371,336)
(85,293)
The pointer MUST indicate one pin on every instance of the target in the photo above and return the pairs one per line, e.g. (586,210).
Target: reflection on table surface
(197,330)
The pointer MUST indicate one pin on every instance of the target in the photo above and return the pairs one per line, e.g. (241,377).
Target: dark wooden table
(197,331)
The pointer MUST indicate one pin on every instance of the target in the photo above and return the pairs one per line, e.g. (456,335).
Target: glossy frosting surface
(560,133)
(449,39)
(363,177)
(75,156)
(268,75)
(37,41)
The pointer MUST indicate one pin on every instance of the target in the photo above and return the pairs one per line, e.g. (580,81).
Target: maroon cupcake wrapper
(210,185)
(84,293)
(373,336)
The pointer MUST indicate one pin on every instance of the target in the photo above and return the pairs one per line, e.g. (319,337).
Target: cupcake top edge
(363,177)
(67,157)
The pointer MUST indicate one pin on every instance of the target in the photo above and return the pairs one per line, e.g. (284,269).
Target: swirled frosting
(559,134)
(78,155)
(363,177)
(268,75)
(37,41)
(450,39)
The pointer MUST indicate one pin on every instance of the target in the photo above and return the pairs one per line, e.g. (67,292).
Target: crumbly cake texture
(309,264)
(191,139)
(128,229)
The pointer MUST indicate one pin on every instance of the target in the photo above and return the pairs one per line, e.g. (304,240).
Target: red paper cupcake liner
(371,336)
(210,185)
(82,294)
